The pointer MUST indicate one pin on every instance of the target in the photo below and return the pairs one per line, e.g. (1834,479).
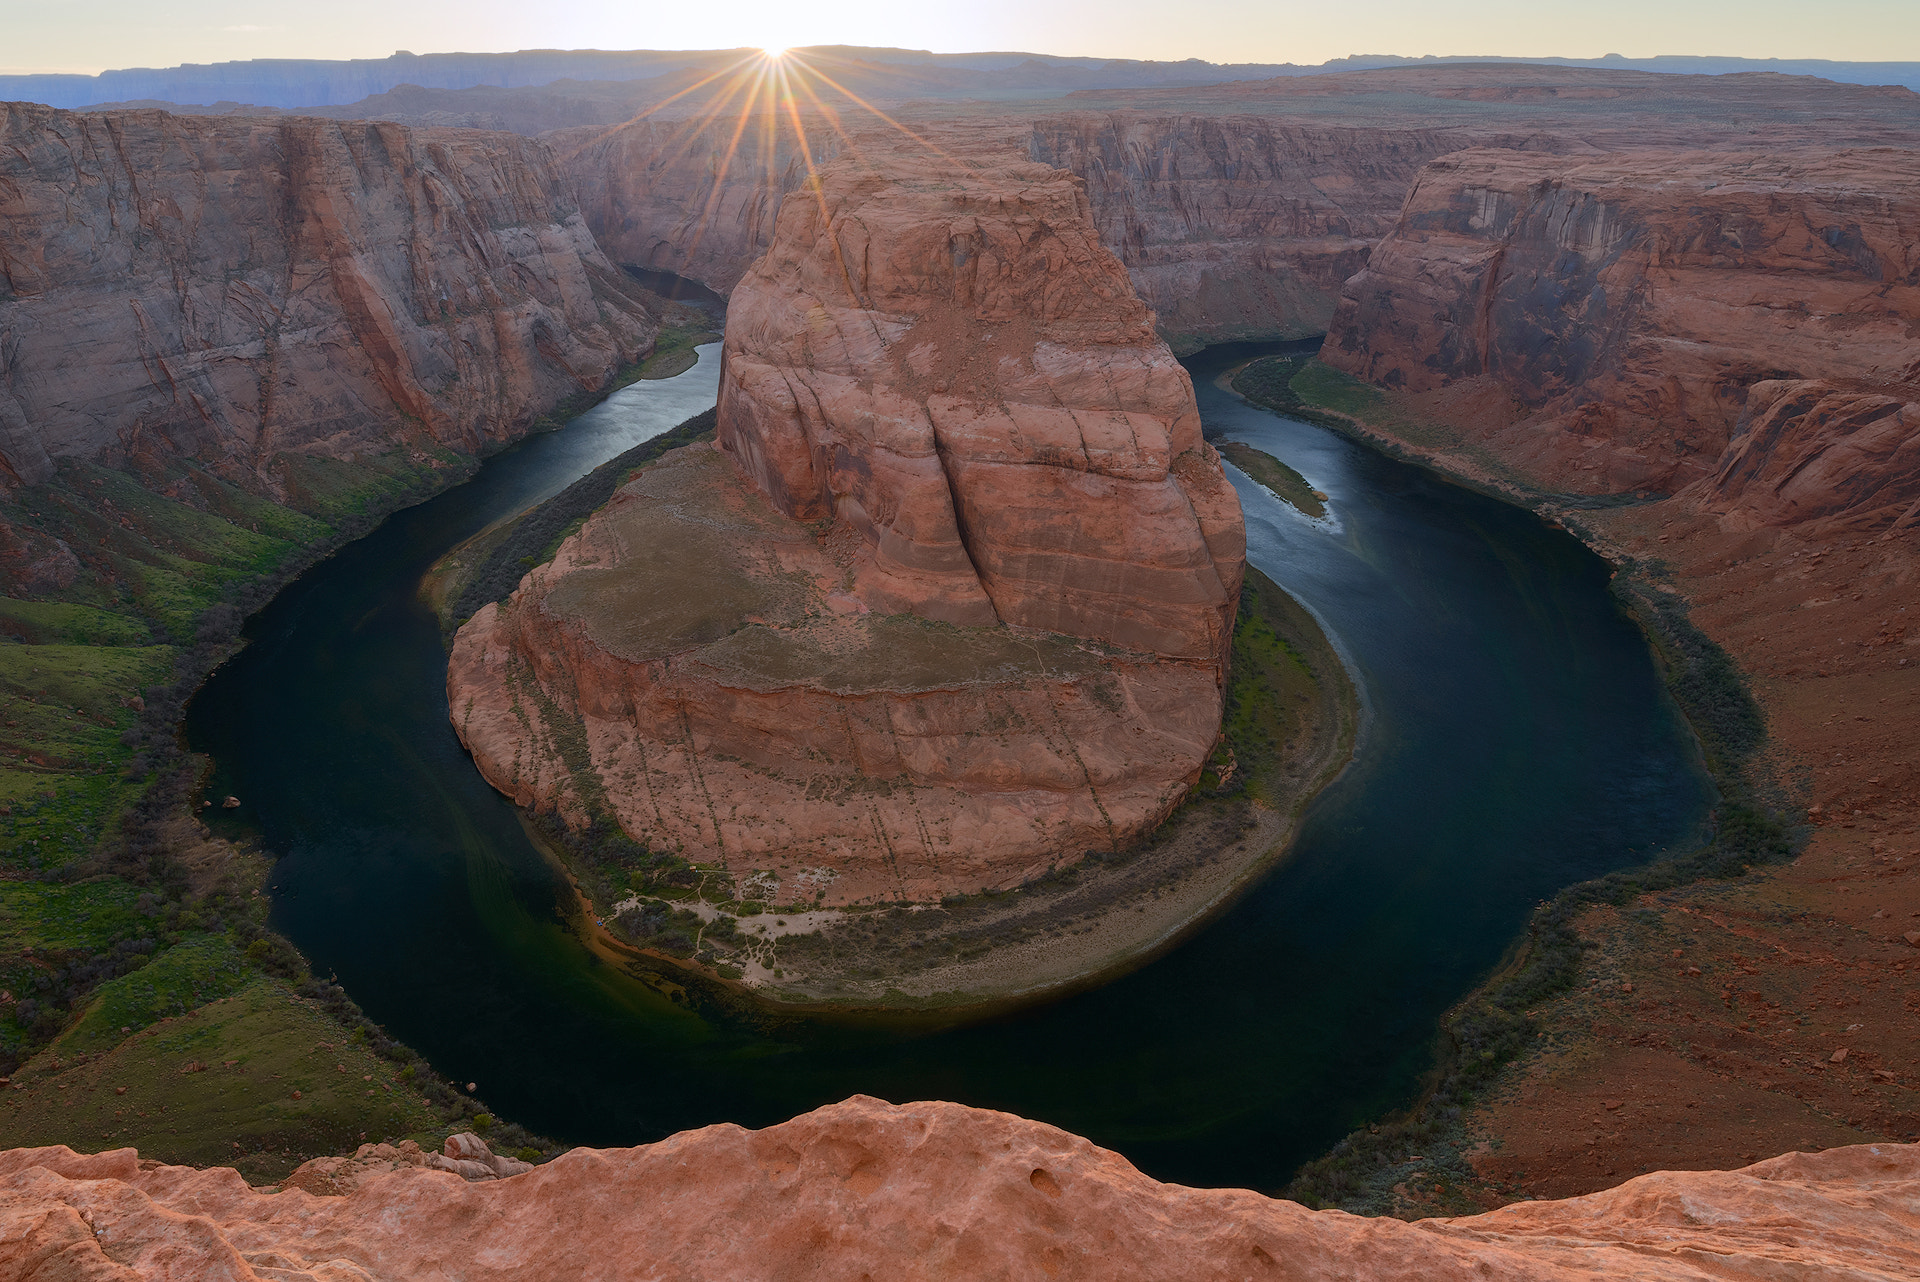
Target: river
(1517,740)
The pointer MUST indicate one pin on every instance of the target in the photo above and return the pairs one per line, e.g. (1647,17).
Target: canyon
(967,571)
(865,1188)
(1675,313)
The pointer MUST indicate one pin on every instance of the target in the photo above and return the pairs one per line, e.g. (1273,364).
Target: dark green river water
(1517,740)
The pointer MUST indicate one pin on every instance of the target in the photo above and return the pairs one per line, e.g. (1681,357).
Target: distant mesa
(947,602)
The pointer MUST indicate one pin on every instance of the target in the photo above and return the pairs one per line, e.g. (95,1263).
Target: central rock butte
(948,602)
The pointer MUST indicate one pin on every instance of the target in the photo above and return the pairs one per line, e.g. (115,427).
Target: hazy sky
(89,35)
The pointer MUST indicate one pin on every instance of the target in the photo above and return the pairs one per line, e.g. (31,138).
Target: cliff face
(942,412)
(867,1189)
(696,198)
(1626,305)
(233,290)
(951,362)
(1237,226)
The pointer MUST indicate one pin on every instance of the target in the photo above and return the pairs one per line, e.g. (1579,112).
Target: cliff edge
(867,1189)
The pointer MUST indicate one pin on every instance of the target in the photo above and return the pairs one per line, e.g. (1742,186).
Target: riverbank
(134,943)
(1689,1021)
(1291,726)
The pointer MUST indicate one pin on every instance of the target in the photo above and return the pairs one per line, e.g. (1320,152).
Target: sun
(774,54)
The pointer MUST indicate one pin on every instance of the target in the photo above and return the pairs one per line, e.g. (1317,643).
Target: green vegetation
(253,1075)
(1286,484)
(132,945)
(1269,382)
(1273,692)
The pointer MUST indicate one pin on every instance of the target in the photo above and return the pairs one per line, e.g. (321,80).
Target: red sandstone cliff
(233,289)
(1237,226)
(950,603)
(867,1189)
(1626,306)
(950,361)
(1238,209)
(694,197)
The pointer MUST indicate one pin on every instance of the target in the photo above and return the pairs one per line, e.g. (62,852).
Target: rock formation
(1626,305)
(950,602)
(867,1189)
(1833,459)
(235,290)
(1239,208)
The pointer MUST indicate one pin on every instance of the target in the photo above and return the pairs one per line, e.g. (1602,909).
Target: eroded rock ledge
(950,602)
(865,1188)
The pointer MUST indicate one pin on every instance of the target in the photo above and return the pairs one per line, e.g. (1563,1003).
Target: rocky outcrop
(1238,208)
(464,1154)
(1627,305)
(235,290)
(1830,459)
(867,1189)
(948,605)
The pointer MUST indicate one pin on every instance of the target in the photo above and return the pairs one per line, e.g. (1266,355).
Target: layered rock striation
(1236,227)
(1629,308)
(234,290)
(948,602)
(868,1189)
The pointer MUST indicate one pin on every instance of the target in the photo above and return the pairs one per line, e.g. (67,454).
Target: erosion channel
(1517,739)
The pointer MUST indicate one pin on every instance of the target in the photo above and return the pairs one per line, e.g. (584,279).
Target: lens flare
(779,97)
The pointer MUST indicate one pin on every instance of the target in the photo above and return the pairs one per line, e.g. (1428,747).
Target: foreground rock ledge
(932,1190)
(949,604)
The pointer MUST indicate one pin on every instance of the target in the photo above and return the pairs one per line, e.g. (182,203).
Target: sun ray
(693,132)
(829,80)
(832,117)
(819,195)
(699,84)
(726,166)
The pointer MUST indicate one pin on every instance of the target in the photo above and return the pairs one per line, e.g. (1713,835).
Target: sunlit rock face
(1643,312)
(233,290)
(869,1189)
(947,603)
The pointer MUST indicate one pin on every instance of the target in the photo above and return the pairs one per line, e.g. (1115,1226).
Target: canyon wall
(234,290)
(694,197)
(1230,227)
(950,599)
(868,1189)
(1623,307)
(1236,227)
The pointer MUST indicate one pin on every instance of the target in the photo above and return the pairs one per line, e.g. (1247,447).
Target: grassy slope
(115,912)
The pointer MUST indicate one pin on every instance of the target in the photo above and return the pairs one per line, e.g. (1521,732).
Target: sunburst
(786,92)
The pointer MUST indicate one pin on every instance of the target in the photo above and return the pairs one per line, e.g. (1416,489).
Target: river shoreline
(1645,1041)
(1073,930)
